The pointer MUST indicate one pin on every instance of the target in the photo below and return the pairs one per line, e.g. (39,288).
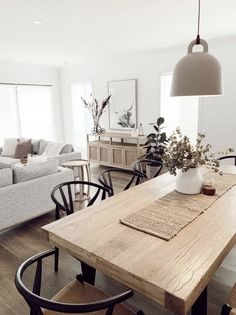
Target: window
(178,111)
(35,112)
(26,111)
(81,117)
(9,123)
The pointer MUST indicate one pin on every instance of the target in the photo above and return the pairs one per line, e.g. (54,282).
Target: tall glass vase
(97,129)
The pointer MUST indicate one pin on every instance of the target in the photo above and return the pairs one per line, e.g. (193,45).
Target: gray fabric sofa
(26,200)
(66,154)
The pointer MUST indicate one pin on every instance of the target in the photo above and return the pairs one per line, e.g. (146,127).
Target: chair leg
(57,213)
(56,259)
(226,309)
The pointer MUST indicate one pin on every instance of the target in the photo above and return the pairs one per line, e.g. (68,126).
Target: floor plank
(25,240)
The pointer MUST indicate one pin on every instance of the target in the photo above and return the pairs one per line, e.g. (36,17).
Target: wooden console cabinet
(115,149)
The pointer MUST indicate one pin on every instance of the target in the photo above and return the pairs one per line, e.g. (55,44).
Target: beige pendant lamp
(198,73)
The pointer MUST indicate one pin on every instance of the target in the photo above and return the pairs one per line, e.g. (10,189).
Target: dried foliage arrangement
(181,154)
(96,111)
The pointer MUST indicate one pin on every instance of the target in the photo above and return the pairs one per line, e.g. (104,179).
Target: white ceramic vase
(189,182)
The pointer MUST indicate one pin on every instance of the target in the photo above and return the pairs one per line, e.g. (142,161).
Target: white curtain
(9,120)
(36,112)
(26,111)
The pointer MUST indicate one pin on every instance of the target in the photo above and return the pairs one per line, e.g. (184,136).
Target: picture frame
(123,104)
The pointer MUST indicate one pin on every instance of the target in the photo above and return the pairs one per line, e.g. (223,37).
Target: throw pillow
(37,159)
(54,148)
(68,148)
(36,146)
(42,146)
(28,172)
(9,147)
(23,148)
(5,177)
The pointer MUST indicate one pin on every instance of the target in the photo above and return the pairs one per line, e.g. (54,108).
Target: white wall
(23,73)
(216,115)
(145,67)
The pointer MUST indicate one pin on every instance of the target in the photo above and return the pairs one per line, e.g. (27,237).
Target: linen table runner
(168,215)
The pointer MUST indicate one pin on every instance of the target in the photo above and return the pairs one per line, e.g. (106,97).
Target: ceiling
(75,30)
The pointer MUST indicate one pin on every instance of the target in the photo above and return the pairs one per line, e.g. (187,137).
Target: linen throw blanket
(168,215)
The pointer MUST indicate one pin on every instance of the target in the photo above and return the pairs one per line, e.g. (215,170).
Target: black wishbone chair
(105,178)
(141,167)
(63,197)
(227,157)
(77,297)
(230,308)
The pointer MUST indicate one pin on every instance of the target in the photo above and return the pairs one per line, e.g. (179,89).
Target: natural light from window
(26,111)
(178,111)
(36,112)
(81,116)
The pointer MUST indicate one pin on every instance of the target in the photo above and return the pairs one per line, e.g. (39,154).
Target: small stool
(81,170)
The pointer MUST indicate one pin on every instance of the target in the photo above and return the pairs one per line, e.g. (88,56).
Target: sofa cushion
(5,177)
(23,148)
(28,172)
(37,159)
(36,145)
(53,148)
(68,148)
(6,161)
(42,146)
(9,147)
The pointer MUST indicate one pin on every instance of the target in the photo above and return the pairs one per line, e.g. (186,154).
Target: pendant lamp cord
(198,23)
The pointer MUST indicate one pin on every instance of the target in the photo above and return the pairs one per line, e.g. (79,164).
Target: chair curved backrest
(105,178)
(62,195)
(230,307)
(141,166)
(227,157)
(37,302)
(227,310)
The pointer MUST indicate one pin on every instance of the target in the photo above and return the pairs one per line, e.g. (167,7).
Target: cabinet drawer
(93,153)
(117,156)
(129,157)
(104,154)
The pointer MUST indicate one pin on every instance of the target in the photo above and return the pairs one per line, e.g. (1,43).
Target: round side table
(81,170)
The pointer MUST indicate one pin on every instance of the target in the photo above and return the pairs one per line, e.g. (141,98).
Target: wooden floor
(26,240)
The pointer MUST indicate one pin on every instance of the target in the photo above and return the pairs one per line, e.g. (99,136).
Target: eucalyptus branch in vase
(182,158)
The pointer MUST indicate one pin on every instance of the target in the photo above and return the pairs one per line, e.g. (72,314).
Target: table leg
(200,306)
(89,273)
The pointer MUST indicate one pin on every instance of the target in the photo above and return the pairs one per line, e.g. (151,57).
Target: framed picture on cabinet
(123,104)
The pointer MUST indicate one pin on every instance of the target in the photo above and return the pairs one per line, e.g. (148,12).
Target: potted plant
(181,155)
(155,146)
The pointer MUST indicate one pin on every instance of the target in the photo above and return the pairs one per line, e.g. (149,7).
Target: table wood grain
(172,273)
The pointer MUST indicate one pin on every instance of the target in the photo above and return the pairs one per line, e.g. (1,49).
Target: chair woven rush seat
(82,293)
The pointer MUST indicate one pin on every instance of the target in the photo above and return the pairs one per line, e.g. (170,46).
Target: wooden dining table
(174,273)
